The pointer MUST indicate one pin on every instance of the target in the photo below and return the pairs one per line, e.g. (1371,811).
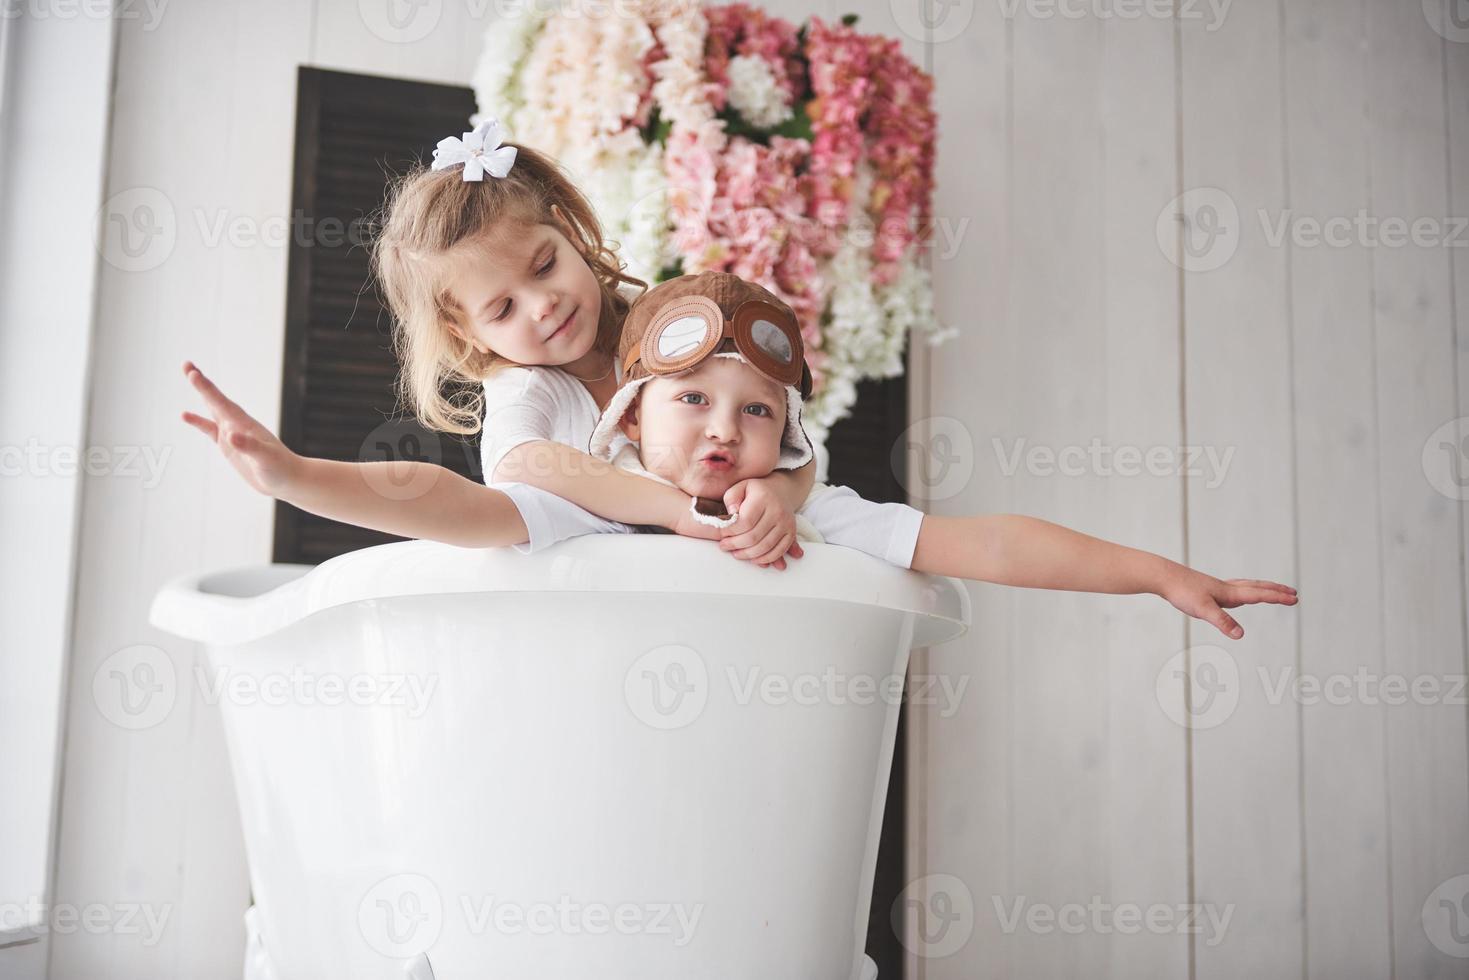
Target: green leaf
(657,130)
(796,127)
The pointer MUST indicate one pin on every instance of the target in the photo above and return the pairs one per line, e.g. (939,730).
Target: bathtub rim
(196,607)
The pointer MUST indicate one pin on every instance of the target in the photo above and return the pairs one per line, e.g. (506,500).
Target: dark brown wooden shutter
(860,446)
(353,132)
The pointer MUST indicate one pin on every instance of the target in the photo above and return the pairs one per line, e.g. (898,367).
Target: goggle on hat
(680,323)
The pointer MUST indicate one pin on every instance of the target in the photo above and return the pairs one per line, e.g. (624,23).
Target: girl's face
(709,428)
(531,300)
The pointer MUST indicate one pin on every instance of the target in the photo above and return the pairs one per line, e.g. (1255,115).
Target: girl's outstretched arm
(1013,549)
(793,486)
(407,498)
(600,487)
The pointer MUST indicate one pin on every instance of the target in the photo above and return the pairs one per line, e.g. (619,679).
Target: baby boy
(714,376)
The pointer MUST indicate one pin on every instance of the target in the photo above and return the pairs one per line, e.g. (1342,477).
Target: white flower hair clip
(479,150)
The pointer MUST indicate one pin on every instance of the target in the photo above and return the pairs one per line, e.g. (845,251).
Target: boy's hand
(765,529)
(1202,597)
(252,449)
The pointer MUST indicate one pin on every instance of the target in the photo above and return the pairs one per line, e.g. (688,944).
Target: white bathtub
(624,757)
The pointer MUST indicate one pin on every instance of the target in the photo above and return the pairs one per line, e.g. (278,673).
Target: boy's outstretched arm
(407,498)
(1013,549)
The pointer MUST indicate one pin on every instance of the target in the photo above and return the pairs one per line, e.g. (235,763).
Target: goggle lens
(682,336)
(772,340)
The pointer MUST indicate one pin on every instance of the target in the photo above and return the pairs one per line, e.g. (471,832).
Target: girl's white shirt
(531,404)
(527,404)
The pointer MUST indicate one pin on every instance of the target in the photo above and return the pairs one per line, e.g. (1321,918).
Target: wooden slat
(1059,663)
(964,764)
(1144,805)
(1344,791)
(1457,103)
(1246,773)
(1422,570)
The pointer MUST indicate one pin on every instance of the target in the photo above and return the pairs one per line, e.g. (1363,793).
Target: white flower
(679,85)
(498,73)
(755,94)
(908,301)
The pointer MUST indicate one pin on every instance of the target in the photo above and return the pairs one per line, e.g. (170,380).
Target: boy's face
(709,428)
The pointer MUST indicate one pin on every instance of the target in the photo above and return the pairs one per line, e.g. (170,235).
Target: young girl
(496,274)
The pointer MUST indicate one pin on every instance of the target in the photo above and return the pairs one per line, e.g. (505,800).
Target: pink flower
(772,213)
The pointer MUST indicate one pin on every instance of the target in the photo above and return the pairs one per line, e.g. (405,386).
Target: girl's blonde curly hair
(427,213)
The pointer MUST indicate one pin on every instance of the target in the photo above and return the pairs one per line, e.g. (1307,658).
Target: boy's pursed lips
(718,459)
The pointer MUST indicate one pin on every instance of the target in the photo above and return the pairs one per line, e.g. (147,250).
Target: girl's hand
(766,528)
(253,450)
(1202,597)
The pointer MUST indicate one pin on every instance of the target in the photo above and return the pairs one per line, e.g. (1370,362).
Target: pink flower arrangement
(871,101)
(780,149)
(770,206)
(740,29)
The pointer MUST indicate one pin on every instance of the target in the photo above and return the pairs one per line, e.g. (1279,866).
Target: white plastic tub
(624,757)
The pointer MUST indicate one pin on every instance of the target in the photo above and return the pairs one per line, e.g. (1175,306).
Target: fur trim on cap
(608,437)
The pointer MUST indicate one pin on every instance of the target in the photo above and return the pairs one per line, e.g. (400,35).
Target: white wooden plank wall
(1318,372)
(204,116)
(1062,780)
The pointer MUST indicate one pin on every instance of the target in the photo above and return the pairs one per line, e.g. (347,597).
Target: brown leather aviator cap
(679,323)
